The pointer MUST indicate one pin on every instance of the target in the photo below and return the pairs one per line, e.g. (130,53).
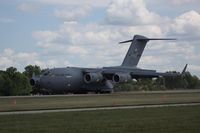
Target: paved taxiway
(99,108)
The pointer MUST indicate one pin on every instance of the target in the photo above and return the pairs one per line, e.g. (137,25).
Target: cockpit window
(46,73)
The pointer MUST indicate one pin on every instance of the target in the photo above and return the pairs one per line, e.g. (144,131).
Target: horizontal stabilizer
(127,41)
(147,39)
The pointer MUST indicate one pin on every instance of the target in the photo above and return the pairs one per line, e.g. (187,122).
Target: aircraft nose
(35,81)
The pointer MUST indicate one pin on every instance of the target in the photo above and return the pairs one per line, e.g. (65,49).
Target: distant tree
(11,71)
(192,81)
(30,69)
(186,81)
(13,82)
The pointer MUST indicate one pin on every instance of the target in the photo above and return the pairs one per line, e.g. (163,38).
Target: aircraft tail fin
(184,69)
(136,49)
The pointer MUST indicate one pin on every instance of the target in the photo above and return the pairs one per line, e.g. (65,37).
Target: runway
(115,93)
(98,108)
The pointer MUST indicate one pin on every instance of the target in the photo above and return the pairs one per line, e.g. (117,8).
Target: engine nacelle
(93,77)
(34,81)
(121,77)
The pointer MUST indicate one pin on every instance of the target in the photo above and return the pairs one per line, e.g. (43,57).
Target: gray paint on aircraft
(83,80)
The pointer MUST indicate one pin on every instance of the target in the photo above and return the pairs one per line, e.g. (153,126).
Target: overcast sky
(85,33)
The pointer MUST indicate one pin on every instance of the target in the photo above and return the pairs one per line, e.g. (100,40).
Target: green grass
(148,120)
(35,103)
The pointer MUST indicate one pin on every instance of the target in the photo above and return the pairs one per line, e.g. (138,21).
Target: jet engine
(93,77)
(121,77)
(34,81)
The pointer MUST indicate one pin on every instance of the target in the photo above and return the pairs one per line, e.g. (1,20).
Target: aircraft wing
(153,74)
(92,70)
(141,73)
(121,74)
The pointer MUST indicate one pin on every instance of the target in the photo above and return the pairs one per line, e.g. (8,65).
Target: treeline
(13,82)
(186,81)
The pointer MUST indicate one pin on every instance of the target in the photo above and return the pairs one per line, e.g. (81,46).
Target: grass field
(80,101)
(148,120)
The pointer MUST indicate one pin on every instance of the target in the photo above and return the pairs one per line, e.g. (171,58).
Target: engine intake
(93,77)
(32,82)
(121,77)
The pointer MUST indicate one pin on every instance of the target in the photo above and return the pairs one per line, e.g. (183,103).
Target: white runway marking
(98,108)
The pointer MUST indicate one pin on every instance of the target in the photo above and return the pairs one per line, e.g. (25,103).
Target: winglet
(184,69)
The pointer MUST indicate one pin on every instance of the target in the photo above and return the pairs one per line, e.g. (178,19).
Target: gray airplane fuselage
(83,80)
(77,80)
(67,79)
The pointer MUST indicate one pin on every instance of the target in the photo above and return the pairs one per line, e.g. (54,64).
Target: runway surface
(99,108)
(131,92)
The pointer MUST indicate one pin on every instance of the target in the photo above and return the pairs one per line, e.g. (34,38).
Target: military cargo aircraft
(100,80)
